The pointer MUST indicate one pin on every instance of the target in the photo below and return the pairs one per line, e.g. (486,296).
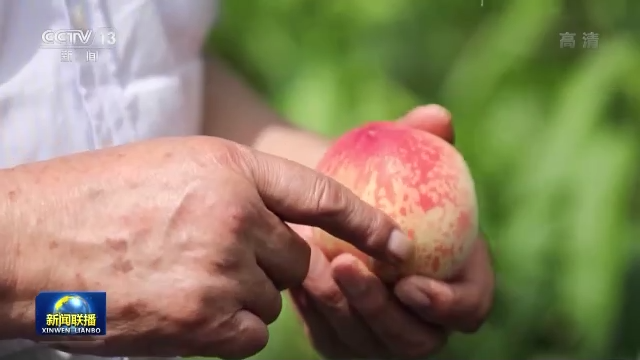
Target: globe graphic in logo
(71,304)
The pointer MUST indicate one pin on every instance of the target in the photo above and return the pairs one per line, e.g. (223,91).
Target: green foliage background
(552,136)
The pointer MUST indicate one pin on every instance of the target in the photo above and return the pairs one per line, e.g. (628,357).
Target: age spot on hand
(118,245)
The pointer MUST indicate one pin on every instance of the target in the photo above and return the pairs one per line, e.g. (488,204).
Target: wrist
(293,144)
(253,123)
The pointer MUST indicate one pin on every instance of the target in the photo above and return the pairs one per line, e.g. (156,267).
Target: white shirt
(149,84)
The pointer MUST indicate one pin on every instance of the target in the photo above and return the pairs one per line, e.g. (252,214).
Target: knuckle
(331,297)
(330,201)
(198,286)
(228,260)
(273,301)
(207,151)
(239,338)
(253,339)
(227,152)
(244,161)
(236,216)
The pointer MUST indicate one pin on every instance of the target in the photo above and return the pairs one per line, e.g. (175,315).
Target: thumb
(433,119)
(300,195)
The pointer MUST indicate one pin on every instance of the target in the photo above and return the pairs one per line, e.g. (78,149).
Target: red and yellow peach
(419,180)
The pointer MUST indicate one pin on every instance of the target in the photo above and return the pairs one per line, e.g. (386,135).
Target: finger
(300,195)
(319,331)
(461,305)
(260,296)
(241,336)
(303,231)
(398,329)
(280,251)
(327,298)
(431,118)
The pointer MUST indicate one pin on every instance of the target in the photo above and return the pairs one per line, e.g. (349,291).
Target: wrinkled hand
(187,236)
(349,313)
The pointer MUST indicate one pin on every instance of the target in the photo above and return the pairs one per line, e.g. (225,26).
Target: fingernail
(421,299)
(400,246)
(442,111)
(432,110)
(415,298)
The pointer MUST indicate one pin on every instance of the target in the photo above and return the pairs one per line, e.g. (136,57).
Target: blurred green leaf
(551,136)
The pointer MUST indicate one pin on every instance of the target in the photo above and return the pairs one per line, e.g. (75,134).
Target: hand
(187,237)
(349,313)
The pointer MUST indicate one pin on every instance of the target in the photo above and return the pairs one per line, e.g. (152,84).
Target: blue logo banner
(62,313)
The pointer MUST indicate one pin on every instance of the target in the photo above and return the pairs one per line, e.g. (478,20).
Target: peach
(420,181)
